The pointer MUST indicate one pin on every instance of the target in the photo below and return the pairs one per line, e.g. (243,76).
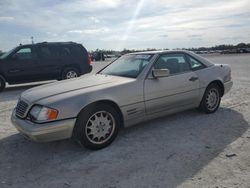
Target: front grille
(21,108)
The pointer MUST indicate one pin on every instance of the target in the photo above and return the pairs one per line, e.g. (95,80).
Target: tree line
(221,47)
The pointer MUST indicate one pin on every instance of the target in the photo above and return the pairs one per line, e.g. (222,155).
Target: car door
(179,89)
(21,66)
(49,61)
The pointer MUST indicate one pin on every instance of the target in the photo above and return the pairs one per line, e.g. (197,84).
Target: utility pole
(32,39)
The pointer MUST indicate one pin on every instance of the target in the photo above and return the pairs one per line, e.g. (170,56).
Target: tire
(2,83)
(97,126)
(211,99)
(69,73)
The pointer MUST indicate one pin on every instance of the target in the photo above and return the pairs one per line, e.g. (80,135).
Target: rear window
(66,51)
(195,64)
(77,51)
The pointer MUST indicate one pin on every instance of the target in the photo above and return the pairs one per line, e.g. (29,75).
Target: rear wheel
(69,73)
(2,83)
(97,126)
(211,99)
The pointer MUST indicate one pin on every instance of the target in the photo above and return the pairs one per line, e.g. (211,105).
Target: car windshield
(6,54)
(129,65)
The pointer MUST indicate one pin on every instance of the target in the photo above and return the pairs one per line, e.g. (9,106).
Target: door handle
(15,70)
(192,79)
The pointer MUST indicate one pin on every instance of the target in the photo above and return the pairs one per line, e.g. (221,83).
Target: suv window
(24,53)
(66,51)
(50,52)
(195,65)
(45,52)
(175,63)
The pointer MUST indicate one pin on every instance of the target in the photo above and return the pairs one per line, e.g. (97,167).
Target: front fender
(70,106)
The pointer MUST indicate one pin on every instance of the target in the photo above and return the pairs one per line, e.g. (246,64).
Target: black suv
(43,61)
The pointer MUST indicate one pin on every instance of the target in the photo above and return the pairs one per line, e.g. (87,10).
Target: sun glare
(131,23)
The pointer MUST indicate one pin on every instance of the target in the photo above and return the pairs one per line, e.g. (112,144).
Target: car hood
(56,88)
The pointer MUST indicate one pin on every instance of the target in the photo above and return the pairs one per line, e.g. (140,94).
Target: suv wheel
(97,127)
(69,73)
(2,83)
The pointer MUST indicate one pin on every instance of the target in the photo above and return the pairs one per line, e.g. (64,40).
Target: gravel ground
(187,149)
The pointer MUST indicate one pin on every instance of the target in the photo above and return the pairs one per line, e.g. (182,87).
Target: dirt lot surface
(188,149)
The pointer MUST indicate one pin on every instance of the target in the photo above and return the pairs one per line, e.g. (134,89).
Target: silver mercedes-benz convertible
(134,88)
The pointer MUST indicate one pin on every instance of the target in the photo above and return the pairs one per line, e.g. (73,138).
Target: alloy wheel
(100,127)
(212,99)
(71,74)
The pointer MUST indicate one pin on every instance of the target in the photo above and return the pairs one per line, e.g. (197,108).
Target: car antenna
(32,39)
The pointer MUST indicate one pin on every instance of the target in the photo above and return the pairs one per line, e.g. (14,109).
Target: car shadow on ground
(160,153)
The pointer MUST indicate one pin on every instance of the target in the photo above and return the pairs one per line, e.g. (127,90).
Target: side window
(195,65)
(66,51)
(24,53)
(175,63)
(79,50)
(45,52)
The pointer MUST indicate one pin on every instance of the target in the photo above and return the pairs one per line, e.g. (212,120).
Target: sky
(131,24)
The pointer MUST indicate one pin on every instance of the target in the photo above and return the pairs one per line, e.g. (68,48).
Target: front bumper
(45,132)
(227,86)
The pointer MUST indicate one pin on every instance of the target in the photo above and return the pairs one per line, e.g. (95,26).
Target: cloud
(6,18)
(163,36)
(76,31)
(108,3)
(90,31)
(94,19)
(98,23)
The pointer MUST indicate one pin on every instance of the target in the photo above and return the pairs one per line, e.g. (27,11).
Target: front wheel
(211,99)
(96,127)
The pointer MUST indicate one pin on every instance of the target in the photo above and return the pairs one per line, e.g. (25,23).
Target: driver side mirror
(157,73)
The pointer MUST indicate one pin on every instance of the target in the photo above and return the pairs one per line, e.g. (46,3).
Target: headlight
(42,114)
